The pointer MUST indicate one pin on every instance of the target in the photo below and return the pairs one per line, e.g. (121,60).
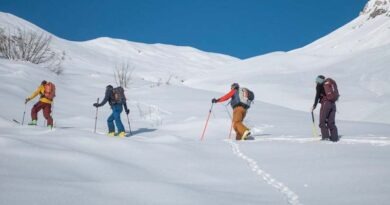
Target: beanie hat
(235,86)
(320,79)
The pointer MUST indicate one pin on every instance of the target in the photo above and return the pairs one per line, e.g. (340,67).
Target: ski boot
(246,135)
(122,134)
(34,122)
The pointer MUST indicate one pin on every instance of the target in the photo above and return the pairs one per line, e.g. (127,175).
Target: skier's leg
(324,112)
(117,110)
(334,136)
(34,113)
(238,116)
(110,123)
(47,114)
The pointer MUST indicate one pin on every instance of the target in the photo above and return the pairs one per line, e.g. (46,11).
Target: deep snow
(165,162)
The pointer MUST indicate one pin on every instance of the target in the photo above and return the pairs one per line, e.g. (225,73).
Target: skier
(47,93)
(239,111)
(327,94)
(116,98)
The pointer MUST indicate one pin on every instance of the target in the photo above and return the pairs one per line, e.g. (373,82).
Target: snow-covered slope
(102,55)
(164,162)
(356,55)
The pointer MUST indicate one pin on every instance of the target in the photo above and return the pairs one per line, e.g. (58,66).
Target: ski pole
(230,132)
(207,121)
(231,126)
(315,133)
(96,116)
(128,121)
(24,113)
(51,114)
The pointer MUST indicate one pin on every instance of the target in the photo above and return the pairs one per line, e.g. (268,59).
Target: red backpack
(331,91)
(50,90)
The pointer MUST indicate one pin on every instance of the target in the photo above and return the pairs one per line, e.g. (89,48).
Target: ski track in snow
(291,197)
(374,141)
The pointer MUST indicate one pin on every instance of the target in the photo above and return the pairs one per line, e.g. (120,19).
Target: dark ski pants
(115,116)
(46,112)
(327,121)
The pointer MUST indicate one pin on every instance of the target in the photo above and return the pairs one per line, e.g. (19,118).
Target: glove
(313,108)
(127,111)
(27,99)
(96,104)
(214,100)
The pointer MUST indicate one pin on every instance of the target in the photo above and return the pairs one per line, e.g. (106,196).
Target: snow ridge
(292,198)
(376,8)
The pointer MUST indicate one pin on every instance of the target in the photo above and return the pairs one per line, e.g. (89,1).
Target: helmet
(109,87)
(320,79)
(43,82)
(235,86)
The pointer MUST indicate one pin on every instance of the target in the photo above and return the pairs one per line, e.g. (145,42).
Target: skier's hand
(127,111)
(96,104)
(27,99)
(214,100)
(313,108)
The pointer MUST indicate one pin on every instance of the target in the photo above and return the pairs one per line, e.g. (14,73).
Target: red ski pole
(207,121)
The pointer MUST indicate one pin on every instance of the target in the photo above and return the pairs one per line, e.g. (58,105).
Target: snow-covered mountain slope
(153,62)
(356,55)
(164,162)
(376,8)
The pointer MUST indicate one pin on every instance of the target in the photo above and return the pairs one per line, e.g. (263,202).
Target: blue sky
(240,28)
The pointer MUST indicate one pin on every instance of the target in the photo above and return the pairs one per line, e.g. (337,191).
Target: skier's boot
(246,134)
(122,134)
(111,134)
(34,122)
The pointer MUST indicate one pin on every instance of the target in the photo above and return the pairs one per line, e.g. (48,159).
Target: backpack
(331,91)
(246,97)
(118,95)
(49,90)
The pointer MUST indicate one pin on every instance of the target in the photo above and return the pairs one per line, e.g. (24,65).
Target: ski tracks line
(291,197)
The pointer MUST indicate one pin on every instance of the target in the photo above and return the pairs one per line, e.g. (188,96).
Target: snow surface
(165,162)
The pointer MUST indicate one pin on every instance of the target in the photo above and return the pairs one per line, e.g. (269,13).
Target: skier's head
(43,82)
(320,79)
(109,87)
(235,86)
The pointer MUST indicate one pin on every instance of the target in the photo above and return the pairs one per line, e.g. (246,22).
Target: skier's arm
(227,96)
(317,98)
(106,98)
(35,93)
(125,106)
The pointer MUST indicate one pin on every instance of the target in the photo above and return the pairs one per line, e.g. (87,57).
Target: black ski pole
(24,113)
(128,121)
(96,116)
(231,119)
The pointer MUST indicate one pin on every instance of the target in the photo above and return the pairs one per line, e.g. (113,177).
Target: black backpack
(118,95)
